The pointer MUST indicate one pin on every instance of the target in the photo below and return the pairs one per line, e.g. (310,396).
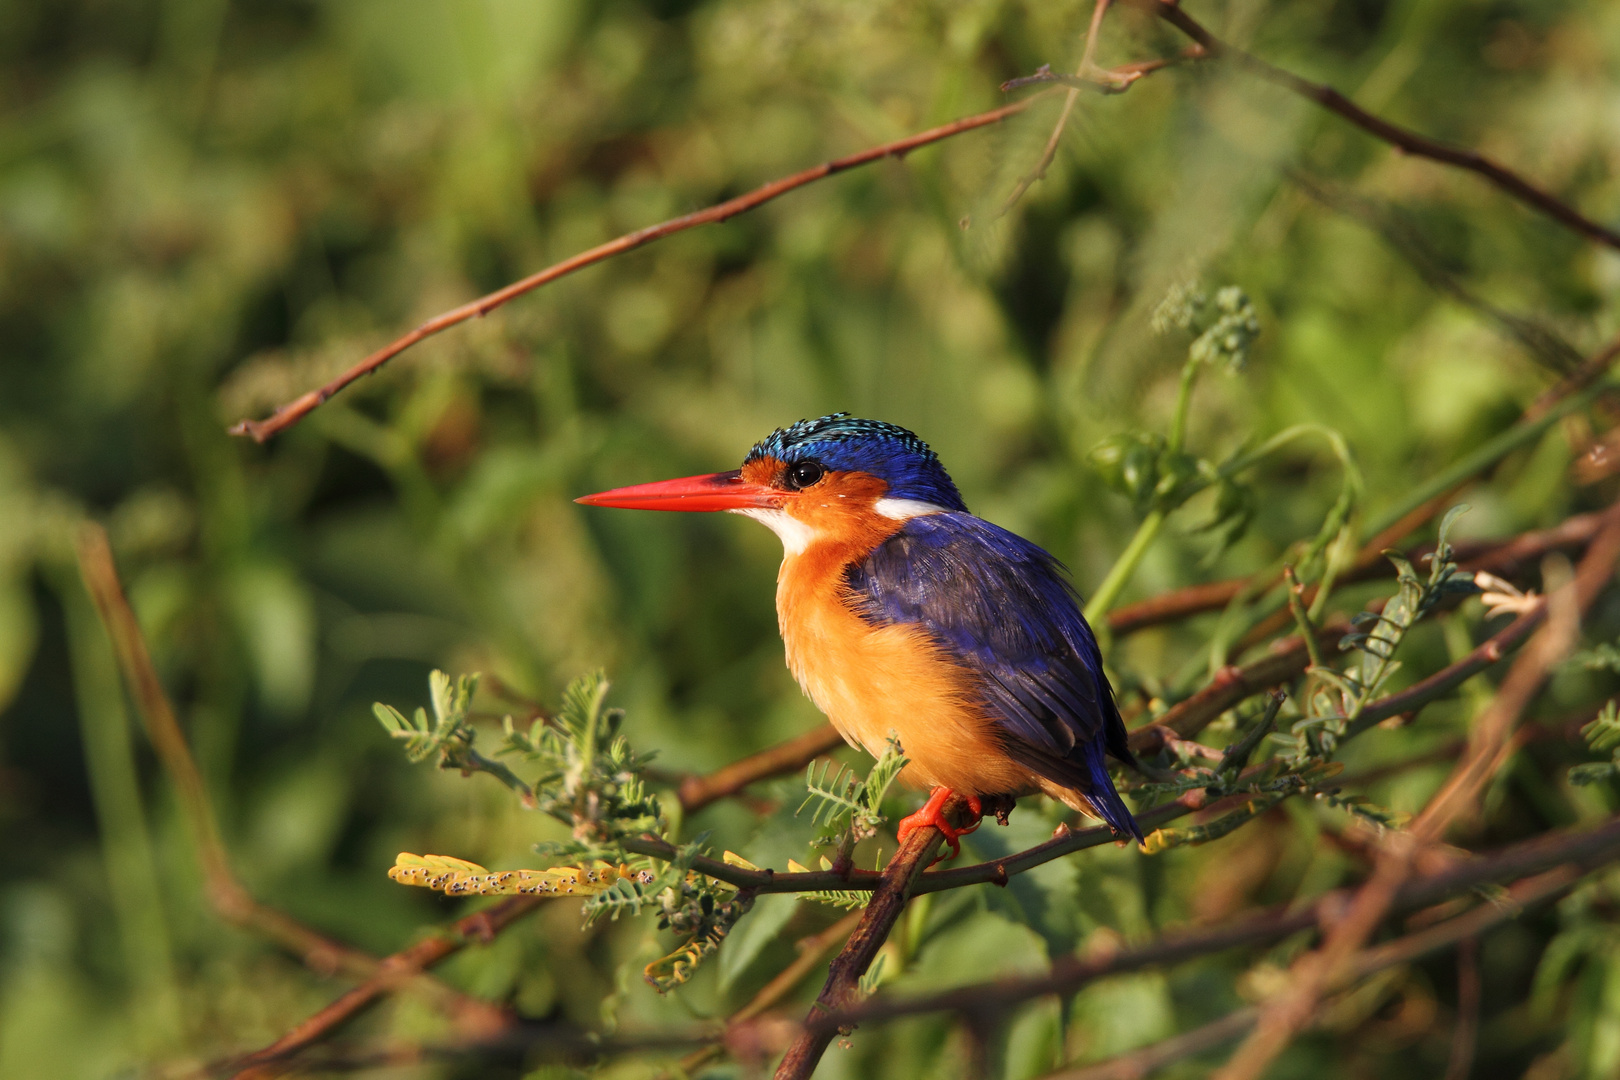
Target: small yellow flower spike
(671,971)
(458,877)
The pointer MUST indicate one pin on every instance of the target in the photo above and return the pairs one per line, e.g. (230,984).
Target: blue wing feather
(1003,608)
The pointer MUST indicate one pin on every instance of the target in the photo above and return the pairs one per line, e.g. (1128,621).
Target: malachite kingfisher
(904,613)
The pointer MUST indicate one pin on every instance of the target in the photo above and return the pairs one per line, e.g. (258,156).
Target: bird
(904,615)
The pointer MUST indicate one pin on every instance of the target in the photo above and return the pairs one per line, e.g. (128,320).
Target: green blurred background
(209,207)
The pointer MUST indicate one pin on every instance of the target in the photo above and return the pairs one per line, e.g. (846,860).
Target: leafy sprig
(1342,696)
(448,735)
(1602,735)
(590,778)
(846,806)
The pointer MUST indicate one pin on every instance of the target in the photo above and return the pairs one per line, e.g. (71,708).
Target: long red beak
(715,491)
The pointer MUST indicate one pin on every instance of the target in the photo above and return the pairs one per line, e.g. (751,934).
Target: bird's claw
(932,815)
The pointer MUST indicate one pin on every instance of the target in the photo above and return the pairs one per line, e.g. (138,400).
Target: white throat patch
(795,534)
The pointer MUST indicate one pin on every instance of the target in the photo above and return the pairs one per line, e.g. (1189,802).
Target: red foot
(931,814)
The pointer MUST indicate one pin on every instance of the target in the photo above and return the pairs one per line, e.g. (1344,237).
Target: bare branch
(1403,950)
(1585,850)
(1401,138)
(392,972)
(1314,974)
(300,407)
(696,792)
(225,892)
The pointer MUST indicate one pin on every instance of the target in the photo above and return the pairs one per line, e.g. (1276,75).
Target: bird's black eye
(802,474)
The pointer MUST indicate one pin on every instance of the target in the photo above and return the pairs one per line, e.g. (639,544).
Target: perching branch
(300,407)
(844,977)
(1540,869)
(1402,138)
(738,1036)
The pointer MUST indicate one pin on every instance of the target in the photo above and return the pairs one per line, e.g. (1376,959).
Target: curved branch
(1402,138)
(696,792)
(300,407)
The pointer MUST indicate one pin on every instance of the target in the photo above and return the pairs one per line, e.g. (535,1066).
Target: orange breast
(871,681)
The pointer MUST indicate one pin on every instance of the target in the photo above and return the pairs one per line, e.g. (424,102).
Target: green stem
(1486,456)
(1123,568)
(131,863)
(1178,423)
(1296,604)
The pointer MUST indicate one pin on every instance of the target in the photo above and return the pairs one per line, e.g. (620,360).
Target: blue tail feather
(1105,800)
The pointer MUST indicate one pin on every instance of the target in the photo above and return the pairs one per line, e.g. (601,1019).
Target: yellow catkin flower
(458,877)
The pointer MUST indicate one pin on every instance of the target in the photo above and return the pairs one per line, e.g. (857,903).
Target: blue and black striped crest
(847,443)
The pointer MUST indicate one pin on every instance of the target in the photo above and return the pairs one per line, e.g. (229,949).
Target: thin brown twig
(224,890)
(1465,1034)
(1403,950)
(293,411)
(696,792)
(1590,371)
(1403,139)
(392,971)
(1505,558)
(1587,850)
(844,975)
(1539,870)
(1313,974)
(1049,154)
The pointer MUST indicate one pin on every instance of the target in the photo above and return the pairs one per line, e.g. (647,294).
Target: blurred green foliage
(206,208)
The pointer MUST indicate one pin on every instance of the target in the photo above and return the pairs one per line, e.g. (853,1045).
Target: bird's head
(837,478)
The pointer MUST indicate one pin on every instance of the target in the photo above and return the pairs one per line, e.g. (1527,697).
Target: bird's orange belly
(876,681)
